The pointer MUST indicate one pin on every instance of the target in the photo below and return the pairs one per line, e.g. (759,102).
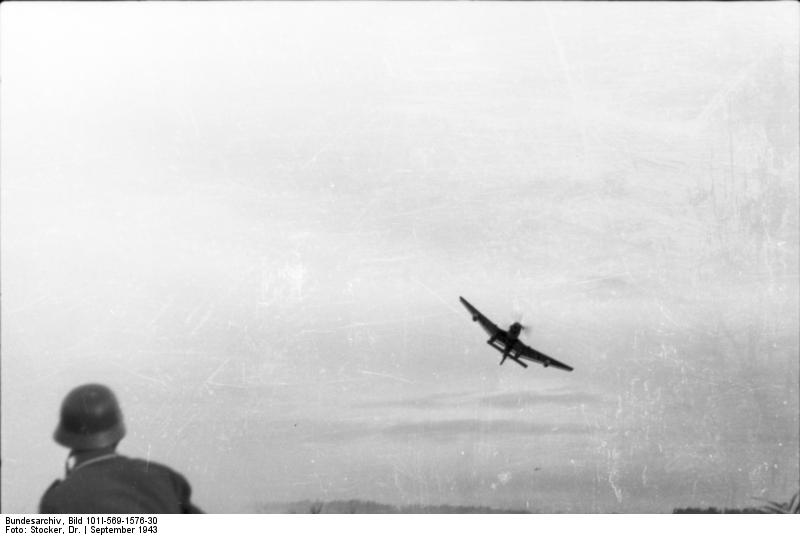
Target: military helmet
(90,419)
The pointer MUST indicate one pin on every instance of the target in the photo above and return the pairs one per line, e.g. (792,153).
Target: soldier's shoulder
(55,484)
(49,497)
(52,488)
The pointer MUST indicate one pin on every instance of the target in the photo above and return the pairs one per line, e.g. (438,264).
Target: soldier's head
(90,419)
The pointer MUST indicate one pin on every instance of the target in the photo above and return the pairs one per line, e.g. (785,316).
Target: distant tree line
(712,510)
(770,507)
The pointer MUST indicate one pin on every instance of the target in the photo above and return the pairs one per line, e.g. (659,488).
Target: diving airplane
(508,343)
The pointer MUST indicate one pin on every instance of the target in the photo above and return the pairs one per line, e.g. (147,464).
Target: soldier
(98,480)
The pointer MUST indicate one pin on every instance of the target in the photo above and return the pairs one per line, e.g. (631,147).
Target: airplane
(508,343)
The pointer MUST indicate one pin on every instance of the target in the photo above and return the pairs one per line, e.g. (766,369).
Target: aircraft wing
(526,352)
(477,316)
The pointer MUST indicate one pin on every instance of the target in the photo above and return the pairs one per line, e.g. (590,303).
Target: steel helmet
(90,419)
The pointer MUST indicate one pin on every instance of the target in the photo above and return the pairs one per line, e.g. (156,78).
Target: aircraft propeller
(518,320)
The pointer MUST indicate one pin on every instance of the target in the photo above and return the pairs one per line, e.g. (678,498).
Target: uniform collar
(77,460)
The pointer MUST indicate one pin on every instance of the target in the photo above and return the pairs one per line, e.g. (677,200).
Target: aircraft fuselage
(508,338)
(514,331)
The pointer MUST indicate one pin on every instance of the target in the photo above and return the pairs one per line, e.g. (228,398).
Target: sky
(253,221)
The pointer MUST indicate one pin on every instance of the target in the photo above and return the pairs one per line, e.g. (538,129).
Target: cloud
(514,400)
(434,400)
(338,432)
(457,427)
(535,398)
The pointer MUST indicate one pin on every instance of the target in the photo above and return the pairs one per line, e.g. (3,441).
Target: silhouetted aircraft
(508,343)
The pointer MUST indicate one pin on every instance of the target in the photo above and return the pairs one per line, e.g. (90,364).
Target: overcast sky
(254,220)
